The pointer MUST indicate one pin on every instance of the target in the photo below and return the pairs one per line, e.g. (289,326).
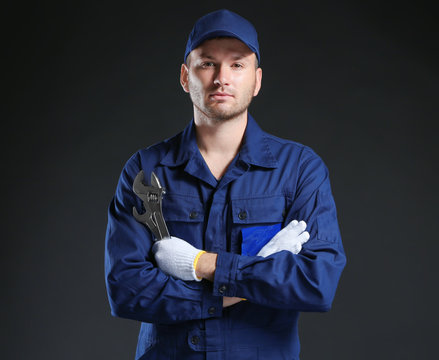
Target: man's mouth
(220,95)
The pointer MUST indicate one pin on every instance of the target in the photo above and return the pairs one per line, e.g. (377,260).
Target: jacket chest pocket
(255,221)
(184,217)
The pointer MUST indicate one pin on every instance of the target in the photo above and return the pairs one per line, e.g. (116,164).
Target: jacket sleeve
(137,289)
(306,281)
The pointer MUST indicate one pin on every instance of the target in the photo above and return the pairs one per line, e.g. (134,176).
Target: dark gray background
(89,83)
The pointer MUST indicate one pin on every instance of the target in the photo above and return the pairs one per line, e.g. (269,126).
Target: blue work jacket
(270,182)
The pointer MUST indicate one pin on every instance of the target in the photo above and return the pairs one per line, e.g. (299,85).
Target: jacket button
(212,310)
(242,215)
(222,289)
(195,340)
(193,215)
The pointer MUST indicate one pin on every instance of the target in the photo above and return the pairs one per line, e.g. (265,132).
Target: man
(228,283)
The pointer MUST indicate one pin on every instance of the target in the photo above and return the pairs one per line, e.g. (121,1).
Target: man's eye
(207,64)
(237,65)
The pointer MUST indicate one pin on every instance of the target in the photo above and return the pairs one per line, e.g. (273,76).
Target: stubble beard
(217,114)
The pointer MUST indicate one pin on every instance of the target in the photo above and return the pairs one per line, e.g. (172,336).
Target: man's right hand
(290,238)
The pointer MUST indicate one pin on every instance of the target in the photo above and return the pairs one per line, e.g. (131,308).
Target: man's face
(221,78)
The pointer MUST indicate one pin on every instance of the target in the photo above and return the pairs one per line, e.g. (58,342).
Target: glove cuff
(186,260)
(195,265)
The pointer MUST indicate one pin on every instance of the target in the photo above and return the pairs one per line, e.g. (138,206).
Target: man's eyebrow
(238,56)
(206,56)
(235,57)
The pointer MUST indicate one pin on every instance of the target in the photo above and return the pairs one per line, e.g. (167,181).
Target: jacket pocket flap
(258,210)
(182,208)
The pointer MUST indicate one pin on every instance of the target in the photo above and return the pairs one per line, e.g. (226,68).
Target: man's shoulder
(161,148)
(294,148)
(153,154)
(283,142)
(295,157)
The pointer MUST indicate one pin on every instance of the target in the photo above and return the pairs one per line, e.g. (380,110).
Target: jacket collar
(181,148)
(255,149)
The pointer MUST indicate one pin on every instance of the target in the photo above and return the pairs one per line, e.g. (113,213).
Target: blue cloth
(271,181)
(254,238)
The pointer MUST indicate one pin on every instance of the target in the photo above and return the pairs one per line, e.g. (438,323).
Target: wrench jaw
(155,182)
(152,201)
(149,194)
(139,188)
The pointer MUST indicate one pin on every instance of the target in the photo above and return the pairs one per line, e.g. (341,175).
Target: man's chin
(225,114)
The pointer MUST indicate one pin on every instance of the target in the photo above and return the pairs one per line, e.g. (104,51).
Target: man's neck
(220,138)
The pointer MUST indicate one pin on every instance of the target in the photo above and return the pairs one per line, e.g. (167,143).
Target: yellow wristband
(196,261)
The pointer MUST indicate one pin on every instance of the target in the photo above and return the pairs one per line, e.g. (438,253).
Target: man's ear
(258,81)
(184,73)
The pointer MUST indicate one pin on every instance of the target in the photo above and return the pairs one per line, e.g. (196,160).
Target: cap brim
(217,33)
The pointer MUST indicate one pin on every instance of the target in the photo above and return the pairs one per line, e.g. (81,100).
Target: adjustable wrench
(152,201)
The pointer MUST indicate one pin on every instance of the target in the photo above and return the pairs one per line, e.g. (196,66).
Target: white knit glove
(177,258)
(290,238)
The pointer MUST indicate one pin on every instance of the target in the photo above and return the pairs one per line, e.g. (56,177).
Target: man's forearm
(206,266)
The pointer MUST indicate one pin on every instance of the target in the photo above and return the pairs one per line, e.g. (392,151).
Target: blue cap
(223,23)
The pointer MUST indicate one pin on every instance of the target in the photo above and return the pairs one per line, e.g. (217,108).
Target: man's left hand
(176,257)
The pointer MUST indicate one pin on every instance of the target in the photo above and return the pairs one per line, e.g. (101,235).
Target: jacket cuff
(212,306)
(225,274)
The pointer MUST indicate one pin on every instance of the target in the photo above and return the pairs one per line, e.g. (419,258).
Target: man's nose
(222,75)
